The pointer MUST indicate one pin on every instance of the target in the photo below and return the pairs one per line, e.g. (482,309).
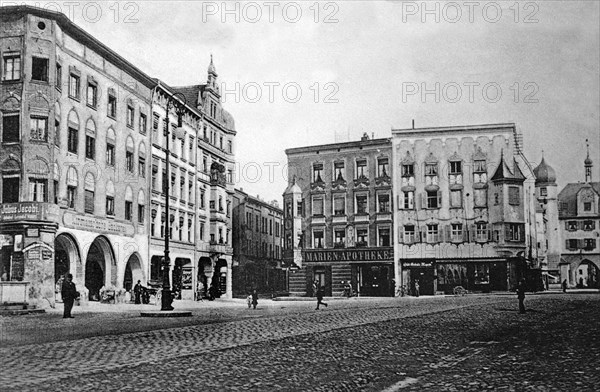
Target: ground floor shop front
(442,276)
(368,271)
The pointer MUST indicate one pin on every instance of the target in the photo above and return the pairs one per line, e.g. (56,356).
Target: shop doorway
(99,268)
(376,280)
(133,272)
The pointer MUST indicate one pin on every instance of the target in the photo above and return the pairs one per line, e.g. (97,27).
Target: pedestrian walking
(137,292)
(69,294)
(564,286)
(254,298)
(320,298)
(417,287)
(521,295)
(249,300)
(314,288)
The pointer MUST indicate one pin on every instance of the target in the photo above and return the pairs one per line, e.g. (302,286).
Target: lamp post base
(166,300)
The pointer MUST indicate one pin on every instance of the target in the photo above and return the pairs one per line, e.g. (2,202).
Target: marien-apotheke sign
(348,255)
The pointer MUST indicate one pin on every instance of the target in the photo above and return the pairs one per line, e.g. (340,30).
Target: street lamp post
(177,101)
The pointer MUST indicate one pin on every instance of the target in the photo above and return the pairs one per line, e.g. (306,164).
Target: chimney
(413,123)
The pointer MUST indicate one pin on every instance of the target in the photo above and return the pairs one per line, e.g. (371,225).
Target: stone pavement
(31,366)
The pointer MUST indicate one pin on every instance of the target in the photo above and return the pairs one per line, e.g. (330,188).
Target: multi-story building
(201,187)
(579,213)
(257,245)
(74,121)
(338,218)
(465,211)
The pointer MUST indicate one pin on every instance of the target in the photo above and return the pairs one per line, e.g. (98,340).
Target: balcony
(219,247)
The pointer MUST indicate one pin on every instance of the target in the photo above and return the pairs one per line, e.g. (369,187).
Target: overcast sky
(361,66)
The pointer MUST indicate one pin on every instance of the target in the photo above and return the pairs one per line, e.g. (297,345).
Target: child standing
(249,300)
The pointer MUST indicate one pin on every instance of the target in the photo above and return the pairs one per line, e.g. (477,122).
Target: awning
(550,276)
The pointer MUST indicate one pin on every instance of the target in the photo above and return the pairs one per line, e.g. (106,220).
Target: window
(300,208)
(431,174)
(128,210)
(587,206)
(182,188)
(543,191)
(572,244)
(204,164)
(338,171)
(589,244)
(362,238)
(10,128)
(155,123)
(142,167)
(384,236)
(213,109)
(71,196)
(92,95)
(58,76)
(154,177)
(572,225)
(129,161)
(110,206)
(56,129)
(173,178)
(409,234)
(479,171)
(456,232)
(318,172)
(110,154)
(514,197)
(456,198)
(229,147)
(383,202)
(361,204)
(221,142)
(10,189)
(201,234)
(339,205)
(112,106)
(191,156)
(39,129)
(382,167)
(481,231)
(38,190)
(73,140)
(12,66)
(202,194)
(317,206)
(74,86)
(455,172)
(514,232)
(130,115)
(189,230)
(361,168)
(589,225)
(434,199)
(90,187)
(39,69)
(339,236)
(480,197)
(90,147)
(408,200)
(141,213)
(408,170)
(432,233)
(230,176)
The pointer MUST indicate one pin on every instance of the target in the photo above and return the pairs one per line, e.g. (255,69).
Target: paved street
(435,343)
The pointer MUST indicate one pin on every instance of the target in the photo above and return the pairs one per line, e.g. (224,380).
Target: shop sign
(46,254)
(26,211)
(417,264)
(33,232)
(104,226)
(186,279)
(348,255)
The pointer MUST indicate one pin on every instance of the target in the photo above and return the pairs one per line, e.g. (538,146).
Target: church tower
(546,193)
(588,163)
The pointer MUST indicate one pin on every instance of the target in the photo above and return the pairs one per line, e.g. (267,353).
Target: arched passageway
(100,267)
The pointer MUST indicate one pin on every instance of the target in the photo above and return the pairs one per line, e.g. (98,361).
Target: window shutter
(447,233)
(566,225)
(400,234)
(439,199)
(423,233)
(471,234)
(579,225)
(399,202)
(422,201)
(489,232)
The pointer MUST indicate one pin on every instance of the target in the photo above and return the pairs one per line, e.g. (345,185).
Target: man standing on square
(69,294)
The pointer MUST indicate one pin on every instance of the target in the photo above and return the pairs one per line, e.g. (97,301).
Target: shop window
(39,69)
(11,128)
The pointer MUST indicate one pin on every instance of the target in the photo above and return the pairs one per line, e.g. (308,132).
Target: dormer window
(318,172)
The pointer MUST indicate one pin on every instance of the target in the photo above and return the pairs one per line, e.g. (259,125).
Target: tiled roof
(569,195)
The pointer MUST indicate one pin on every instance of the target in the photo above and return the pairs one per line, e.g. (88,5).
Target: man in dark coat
(137,291)
(254,299)
(320,298)
(564,286)
(69,294)
(521,295)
